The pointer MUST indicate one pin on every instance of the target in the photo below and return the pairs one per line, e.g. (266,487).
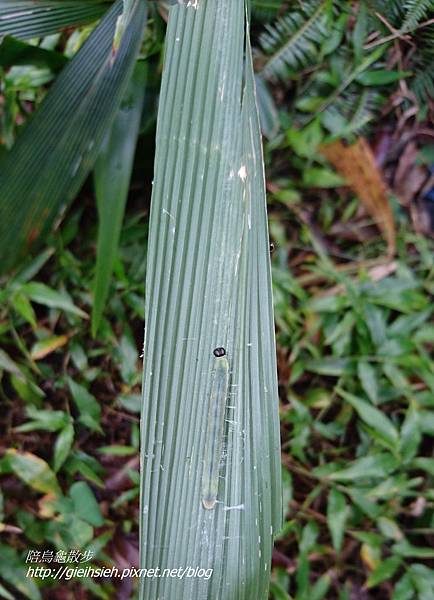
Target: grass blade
(112,179)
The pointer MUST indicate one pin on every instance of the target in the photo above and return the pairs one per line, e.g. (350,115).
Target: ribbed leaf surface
(33,18)
(208,286)
(52,157)
(112,181)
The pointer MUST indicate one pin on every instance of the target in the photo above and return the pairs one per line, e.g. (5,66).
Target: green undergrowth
(357,383)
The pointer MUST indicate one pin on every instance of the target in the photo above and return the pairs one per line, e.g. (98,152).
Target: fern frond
(415,11)
(352,112)
(392,10)
(294,40)
(422,84)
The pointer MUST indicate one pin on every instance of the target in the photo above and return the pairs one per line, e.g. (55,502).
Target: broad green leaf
(385,571)
(277,592)
(14,52)
(425,464)
(32,265)
(424,588)
(34,471)
(127,356)
(27,19)
(426,420)
(126,497)
(411,433)
(5,594)
(368,377)
(208,286)
(372,416)
(87,466)
(404,589)
(369,506)
(389,529)
(85,505)
(408,550)
(68,532)
(381,77)
(392,487)
(42,294)
(69,127)
(309,538)
(360,29)
(302,576)
(320,588)
(7,364)
(321,177)
(421,571)
(376,466)
(112,178)
(63,446)
(27,389)
(87,404)
(287,490)
(268,114)
(13,571)
(131,402)
(45,347)
(397,293)
(331,366)
(23,307)
(337,512)
(46,420)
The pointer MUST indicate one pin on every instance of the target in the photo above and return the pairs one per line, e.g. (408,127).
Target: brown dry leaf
(409,176)
(356,163)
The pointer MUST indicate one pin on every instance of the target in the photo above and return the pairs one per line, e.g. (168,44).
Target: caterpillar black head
(219,352)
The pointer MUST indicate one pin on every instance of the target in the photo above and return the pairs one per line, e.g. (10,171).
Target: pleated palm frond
(208,286)
(27,19)
(57,148)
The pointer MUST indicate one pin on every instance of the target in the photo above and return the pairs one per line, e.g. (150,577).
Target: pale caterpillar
(215,429)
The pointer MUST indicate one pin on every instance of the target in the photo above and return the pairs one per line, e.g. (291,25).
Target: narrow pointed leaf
(15,52)
(67,130)
(112,178)
(372,416)
(336,517)
(208,287)
(27,19)
(34,471)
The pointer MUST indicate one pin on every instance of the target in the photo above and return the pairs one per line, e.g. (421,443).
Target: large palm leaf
(29,18)
(208,285)
(53,155)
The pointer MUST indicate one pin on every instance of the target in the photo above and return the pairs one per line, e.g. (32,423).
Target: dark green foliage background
(355,357)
